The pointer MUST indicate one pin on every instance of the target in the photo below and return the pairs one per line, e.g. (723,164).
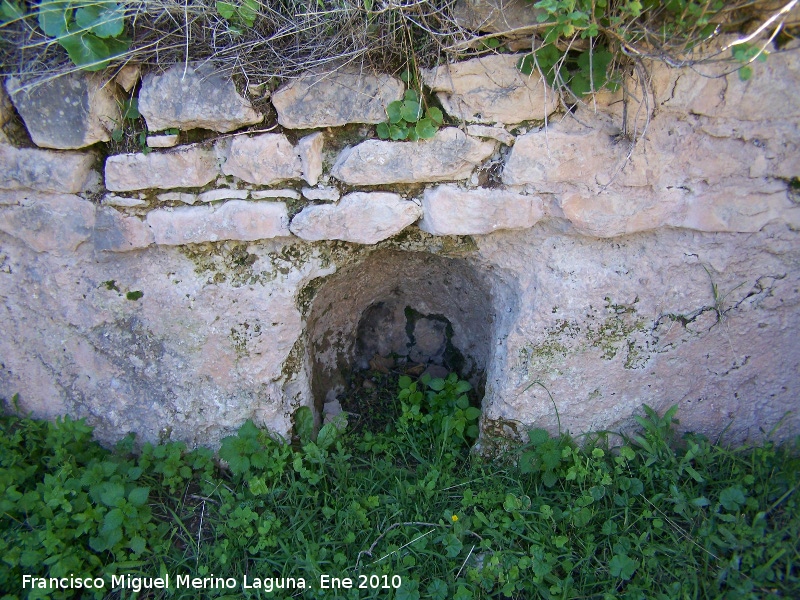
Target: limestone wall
(178,291)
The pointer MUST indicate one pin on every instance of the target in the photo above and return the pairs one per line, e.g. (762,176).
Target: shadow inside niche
(398,312)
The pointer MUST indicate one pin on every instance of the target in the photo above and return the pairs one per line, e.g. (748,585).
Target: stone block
(310,150)
(450,155)
(188,166)
(235,220)
(194,97)
(491,89)
(222,194)
(360,217)
(495,16)
(45,170)
(56,223)
(262,159)
(449,210)
(333,99)
(116,232)
(68,112)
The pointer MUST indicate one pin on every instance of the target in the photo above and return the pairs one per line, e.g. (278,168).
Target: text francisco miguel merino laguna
(137,584)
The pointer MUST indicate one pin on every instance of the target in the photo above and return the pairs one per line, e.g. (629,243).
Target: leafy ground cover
(407,512)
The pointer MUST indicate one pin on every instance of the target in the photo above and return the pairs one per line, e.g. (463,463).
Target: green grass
(409,510)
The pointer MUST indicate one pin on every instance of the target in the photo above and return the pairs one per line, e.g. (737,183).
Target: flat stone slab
(188,166)
(44,170)
(265,194)
(451,155)
(263,159)
(330,194)
(491,89)
(449,210)
(235,220)
(116,232)
(56,223)
(222,194)
(71,111)
(333,99)
(359,217)
(195,98)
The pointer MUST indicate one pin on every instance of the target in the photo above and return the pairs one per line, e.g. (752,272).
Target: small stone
(491,89)
(225,194)
(450,155)
(262,159)
(448,210)
(235,220)
(326,194)
(189,166)
(68,112)
(162,141)
(56,223)
(184,197)
(333,99)
(45,170)
(495,16)
(116,232)
(264,194)
(194,97)
(310,150)
(256,90)
(360,217)
(495,133)
(122,201)
(127,76)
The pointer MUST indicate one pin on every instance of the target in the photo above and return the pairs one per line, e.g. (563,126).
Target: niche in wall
(414,307)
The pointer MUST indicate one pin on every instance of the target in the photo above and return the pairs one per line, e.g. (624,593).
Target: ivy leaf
(394,111)
(426,129)
(105,20)
(383,131)
(10,11)
(54,16)
(411,111)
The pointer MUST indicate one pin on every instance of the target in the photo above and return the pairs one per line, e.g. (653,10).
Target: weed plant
(412,509)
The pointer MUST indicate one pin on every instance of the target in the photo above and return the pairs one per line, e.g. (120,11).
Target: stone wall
(230,271)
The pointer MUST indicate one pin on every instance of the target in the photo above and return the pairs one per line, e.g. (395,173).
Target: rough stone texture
(123,201)
(264,194)
(491,89)
(45,170)
(495,133)
(450,155)
(204,348)
(224,194)
(188,166)
(178,197)
(325,194)
(119,233)
(334,99)
(449,210)
(235,220)
(495,15)
(608,325)
(310,150)
(55,223)
(198,97)
(162,141)
(360,217)
(263,159)
(128,76)
(71,111)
